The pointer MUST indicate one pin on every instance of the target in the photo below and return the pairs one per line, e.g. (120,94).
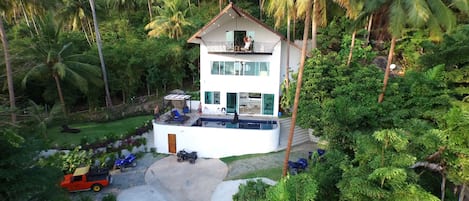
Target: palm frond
(434,29)
(418,12)
(34,72)
(60,68)
(77,80)
(443,14)
(462,5)
(436,73)
(397,19)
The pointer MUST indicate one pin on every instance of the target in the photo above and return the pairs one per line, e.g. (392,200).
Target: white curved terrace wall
(217,142)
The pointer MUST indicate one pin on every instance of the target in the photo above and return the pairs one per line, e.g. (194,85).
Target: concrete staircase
(300,135)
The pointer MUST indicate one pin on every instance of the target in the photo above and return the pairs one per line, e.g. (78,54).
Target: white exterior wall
(295,57)
(217,142)
(233,83)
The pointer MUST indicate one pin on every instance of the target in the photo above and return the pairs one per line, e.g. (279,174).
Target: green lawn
(274,173)
(94,131)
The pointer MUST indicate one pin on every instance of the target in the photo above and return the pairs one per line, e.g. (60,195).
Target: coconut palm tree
(171,19)
(76,13)
(101,57)
(318,15)
(353,9)
(56,60)
(281,9)
(298,88)
(434,16)
(11,92)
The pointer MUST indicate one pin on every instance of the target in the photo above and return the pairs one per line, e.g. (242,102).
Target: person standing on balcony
(247,42)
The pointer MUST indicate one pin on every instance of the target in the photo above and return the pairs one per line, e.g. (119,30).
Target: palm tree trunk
(101,58)
(298,88)
(34,24)
(91,30)
(287,67)
(261,6)
(149,10)
(314,28)
(370,22)
(25,14)
(443,186)
(387,71)
(11,91)
(351,47)
(462,193)
(83,28)
(59,91)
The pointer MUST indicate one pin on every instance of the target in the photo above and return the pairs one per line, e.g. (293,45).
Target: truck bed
(98,174)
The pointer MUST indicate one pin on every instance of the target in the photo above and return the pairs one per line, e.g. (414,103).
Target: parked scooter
(128,161)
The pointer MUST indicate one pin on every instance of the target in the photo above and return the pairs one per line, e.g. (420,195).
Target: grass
(94,131)
(230,159)
(274,173)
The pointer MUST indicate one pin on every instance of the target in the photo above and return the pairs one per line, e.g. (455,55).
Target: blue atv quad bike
(298,166)
(128,161)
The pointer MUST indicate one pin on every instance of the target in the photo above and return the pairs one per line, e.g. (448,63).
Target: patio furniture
(176,116)
(185,110)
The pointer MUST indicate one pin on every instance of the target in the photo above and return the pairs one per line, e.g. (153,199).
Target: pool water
(241,124)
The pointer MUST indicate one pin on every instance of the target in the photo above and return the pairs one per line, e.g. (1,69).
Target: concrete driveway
(169,180)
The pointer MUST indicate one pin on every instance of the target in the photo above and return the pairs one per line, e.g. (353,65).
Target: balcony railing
(229,47)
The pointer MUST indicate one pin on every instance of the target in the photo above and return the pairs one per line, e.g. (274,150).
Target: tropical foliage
(412,145)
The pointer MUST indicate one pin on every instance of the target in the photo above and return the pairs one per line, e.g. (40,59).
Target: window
(264,69)
(229,68)
(251,68)
(212,97)
(216,68)
(240,68)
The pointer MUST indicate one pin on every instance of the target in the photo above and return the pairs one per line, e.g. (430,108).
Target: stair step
(300,135)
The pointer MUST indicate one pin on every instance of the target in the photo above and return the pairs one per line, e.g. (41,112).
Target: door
(231,103)
(172,143)
(268,104)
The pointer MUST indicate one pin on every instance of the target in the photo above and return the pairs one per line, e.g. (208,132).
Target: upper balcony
(223,47)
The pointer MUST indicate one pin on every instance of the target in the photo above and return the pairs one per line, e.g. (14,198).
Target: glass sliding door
(268,104)
(231,102)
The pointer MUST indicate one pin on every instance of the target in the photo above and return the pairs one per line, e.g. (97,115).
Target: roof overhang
(172,97)
(229,13)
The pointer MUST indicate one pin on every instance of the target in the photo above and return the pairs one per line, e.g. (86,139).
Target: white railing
(223,46)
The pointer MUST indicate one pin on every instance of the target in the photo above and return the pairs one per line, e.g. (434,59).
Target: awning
(177,97)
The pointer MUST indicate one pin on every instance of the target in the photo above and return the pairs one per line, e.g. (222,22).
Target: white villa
(236,76)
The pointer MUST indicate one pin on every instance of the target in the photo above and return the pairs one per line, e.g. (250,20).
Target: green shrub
(109,197)
(251,191)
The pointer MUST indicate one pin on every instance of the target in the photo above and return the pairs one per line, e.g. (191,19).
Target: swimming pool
(241,124)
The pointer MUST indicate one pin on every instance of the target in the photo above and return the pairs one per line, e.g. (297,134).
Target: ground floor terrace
(215,136)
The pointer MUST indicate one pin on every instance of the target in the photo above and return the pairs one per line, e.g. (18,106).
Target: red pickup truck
(83,179)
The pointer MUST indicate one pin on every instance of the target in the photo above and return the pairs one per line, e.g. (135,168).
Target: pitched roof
(228,13)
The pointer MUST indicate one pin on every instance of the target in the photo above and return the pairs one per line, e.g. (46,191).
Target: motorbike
(298,166)
(128,161)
